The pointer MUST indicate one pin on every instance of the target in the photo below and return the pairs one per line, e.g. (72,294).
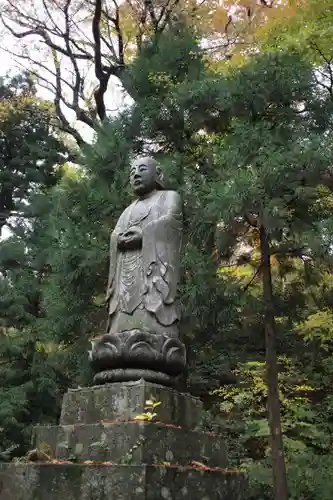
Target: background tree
(268,132)
(274,146)
(80,49)
(31,155)
(29,150)
(249,148)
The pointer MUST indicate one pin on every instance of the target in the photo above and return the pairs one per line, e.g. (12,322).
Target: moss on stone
(99,482)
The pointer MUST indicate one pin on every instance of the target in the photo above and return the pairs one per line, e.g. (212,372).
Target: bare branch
(97,38)
(65,125)
(150,8)
(164,9)
(141,19)
(57,103)
(47,10)
(79,83)
(247,286)
(328,75)
(109,43)
(46,38)
(169,8)
(100,75)
(39,64)
(63,30)
(66,38)
(41,30)
(103,73)
(322,84)
(121,54)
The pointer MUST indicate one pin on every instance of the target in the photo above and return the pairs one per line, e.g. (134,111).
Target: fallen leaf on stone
(200,465)
(60,462)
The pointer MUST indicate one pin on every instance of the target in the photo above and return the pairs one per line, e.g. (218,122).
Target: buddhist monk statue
(142,338)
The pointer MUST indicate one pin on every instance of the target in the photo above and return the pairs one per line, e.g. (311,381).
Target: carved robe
(142,288)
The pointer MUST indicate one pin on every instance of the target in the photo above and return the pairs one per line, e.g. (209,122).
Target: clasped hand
(130,239)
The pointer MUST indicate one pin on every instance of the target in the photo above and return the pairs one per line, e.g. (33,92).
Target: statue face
(143,175)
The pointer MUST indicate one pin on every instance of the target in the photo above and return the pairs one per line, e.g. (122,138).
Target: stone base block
(131,443)
(107,482)
(124,401)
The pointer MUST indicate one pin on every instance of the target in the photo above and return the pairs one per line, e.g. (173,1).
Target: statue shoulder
(127,210)
(172,199)
(121,223)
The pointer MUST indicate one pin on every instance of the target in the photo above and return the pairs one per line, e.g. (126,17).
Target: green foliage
(251,145)
(30,154)
(29,150)
(85,205)
(308,29)
(304,381)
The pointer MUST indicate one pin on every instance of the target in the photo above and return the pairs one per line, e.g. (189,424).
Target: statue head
(145,175)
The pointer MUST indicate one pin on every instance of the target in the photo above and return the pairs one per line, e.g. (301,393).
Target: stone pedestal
(137,354)
(102,450)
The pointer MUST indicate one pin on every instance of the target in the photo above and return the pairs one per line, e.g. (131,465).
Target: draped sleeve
(161,248)
(121,227)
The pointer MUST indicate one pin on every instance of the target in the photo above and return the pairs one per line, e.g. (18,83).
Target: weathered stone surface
(142,339)
(132,443)
(124,401)
(115,457)
(152,357)
(104,482)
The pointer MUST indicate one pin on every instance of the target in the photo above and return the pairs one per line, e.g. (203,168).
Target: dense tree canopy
(29,152)
(31,159)
(80,49)
(249,146)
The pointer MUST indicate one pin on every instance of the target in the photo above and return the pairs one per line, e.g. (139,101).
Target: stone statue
(142,339)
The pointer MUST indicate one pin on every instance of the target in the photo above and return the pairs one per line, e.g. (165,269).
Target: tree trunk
(274,416)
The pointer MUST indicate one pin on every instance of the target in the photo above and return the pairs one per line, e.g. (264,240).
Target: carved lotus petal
(111,347)
(174,352)
(139,337)
(142,346)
